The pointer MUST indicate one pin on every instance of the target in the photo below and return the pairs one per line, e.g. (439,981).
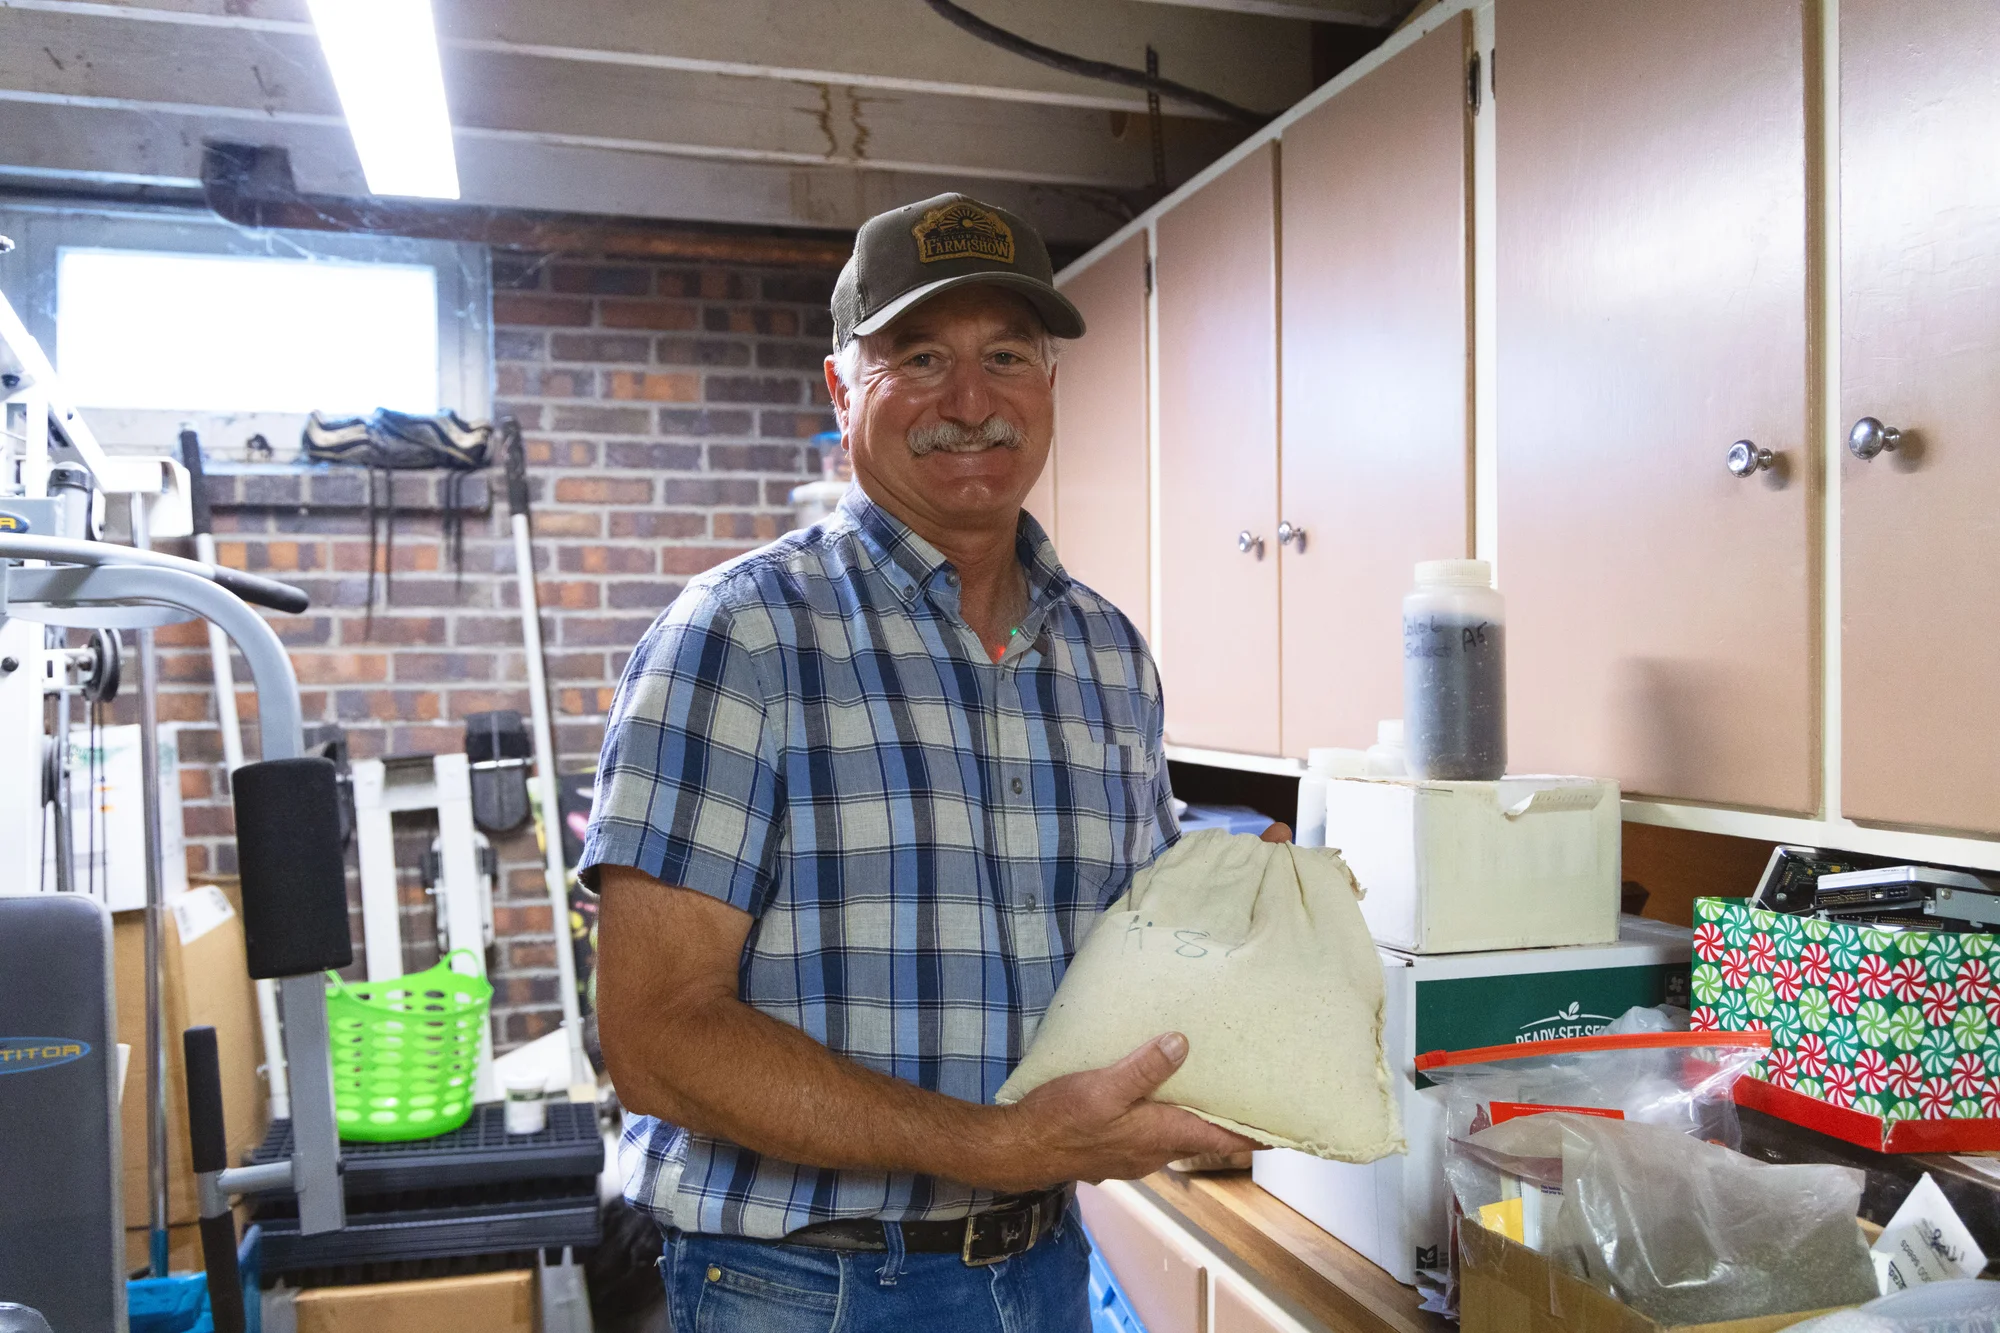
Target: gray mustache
(954,438)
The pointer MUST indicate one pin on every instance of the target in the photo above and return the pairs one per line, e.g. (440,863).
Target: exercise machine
(61,1236)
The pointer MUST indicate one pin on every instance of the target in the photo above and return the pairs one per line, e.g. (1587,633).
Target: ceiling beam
(64,59)
(890,45)
(1355,13)
(42,140)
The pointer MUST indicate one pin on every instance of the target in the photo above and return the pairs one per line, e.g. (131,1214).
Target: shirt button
(1015,786)
(1029,902)
(952,579)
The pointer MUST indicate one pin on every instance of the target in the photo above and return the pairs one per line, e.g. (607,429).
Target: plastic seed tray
(429,1224)
(481,1152)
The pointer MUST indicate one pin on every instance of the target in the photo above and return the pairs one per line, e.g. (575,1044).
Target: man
(862,793)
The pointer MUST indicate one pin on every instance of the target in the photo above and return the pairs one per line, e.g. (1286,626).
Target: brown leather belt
(1009,1228)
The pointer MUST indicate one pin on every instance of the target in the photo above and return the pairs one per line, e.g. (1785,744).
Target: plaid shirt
(814,735)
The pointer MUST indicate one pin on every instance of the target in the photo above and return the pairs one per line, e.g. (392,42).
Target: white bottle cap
(1454,573)
(1332,761)
(1390,732)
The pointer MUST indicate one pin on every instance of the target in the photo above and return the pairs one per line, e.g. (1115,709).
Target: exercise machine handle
(209,1149)
(262,591)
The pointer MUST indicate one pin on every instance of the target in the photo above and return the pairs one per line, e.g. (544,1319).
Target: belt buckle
(1000,1234)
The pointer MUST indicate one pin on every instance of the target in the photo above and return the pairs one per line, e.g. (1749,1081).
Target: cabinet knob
(1287,534)
(1250,545)
(1746,459)
(1870,437)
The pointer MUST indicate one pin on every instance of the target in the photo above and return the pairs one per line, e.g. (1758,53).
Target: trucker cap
(912,253)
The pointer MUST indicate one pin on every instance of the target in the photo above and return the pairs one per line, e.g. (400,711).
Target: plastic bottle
(1322,764)
(1455,673)
(1386,757)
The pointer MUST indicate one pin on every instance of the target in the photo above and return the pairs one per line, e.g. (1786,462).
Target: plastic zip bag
(1678,1080)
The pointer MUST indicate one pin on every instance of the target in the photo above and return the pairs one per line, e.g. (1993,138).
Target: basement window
(163,321)
(192,332)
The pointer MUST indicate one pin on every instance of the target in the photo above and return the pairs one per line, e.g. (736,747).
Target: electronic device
(1906,894)
(1791,876)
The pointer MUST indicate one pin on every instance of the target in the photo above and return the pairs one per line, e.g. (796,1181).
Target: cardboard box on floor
(1505,1287)
(204,979)
(183,1244)
(485,1303)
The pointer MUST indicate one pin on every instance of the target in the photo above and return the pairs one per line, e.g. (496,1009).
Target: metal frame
(115,585)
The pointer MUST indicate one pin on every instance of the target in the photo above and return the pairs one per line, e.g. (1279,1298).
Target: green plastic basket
(406,1050)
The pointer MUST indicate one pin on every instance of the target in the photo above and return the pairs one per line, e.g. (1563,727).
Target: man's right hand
(1101,1125)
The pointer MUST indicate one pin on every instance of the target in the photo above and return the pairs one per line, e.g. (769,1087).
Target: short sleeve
(688,787)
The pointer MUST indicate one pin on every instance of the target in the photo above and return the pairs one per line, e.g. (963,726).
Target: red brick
(393,629)
(602,279)
(642,315)
(604,490)
(696,559)
(674,387)
(657,524)
(442,667)
(466,702)
(605,631)
(415,557)
(568,522)
(427,740)
(333,668)
(602,420)
(640,594)
(600,347)
(526,920)
(606,560)
(523,953)
(515,308)
(196,783)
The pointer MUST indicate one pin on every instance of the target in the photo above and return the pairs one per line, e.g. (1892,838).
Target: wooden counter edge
(1333,1283)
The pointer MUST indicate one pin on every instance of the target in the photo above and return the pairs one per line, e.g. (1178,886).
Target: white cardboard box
(1393,1211)
(1450,867)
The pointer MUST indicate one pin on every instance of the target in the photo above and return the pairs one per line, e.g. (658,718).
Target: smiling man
(862,793)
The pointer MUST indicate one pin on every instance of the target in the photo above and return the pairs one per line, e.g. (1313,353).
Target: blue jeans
(718,1284)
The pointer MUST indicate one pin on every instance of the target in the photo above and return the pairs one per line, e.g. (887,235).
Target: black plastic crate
(447,1224)
(478,1152)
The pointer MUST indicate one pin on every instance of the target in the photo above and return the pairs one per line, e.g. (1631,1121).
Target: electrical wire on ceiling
(1091,69)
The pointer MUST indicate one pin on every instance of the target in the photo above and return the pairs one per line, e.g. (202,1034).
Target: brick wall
(666,410)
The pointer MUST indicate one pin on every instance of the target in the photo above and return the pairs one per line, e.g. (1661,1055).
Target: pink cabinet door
(1102,505)
(1237,1311)
(1920,352)
(1654,306)
(1377,379)
(1163,1284)
(1217,311)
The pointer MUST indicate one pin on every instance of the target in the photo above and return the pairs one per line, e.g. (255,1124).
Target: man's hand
(1100,1125)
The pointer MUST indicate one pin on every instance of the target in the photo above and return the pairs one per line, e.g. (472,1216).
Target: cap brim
(1062,319)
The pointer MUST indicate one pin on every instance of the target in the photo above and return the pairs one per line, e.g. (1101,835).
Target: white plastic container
(1394,1211)
(1322,764)
(1455,673)
(1387,757)
(527,1111)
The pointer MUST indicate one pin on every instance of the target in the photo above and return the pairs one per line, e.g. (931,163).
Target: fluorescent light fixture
(384,58)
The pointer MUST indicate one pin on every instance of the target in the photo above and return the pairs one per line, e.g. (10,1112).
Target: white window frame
(41,232)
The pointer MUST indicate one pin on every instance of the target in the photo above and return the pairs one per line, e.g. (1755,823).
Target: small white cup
(527,1113)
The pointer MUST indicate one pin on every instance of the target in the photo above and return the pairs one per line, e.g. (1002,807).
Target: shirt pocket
(1103,817)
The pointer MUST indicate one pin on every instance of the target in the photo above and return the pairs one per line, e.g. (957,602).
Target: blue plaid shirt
(813,734)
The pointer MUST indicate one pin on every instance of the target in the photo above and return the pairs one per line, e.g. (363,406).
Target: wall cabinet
(1377,378)
(1101,458)
(1217,310)
(1653,309)
(1920,353)
(1174,1282)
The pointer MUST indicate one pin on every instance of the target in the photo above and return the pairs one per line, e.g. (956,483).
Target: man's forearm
(721,1068)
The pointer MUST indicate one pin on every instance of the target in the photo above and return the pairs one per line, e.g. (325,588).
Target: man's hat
(912,253)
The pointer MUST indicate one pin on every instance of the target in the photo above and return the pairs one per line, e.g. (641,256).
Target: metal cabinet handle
(1746,459)
(1249,544)
(1870,437)
(1287,534)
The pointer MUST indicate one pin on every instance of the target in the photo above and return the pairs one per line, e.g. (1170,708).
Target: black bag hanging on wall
(387,442)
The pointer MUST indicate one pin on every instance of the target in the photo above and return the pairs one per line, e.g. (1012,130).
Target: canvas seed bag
(1257,952)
